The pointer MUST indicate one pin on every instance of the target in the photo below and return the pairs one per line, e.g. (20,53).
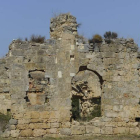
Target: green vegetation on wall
(4,119)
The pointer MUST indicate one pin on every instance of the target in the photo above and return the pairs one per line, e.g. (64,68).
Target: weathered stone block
(55,125)
(65,125)
(22,126)
(54,114)
(18,116)
(134,131)
(109,54)
(108,130)
(6,134)
(90,129)
(14,133)
(23,121)
(30,66)
(78,130)
(51,120)
(111,114)
(44,114)
(39,132)
(65,131)
(38,120)
(18,52)
(39,125)
(52,131)
(35,114)
(12,127)
(121,130)
(13,122)
(26,133)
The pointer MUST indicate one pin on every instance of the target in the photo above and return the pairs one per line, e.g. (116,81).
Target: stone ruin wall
(38,82)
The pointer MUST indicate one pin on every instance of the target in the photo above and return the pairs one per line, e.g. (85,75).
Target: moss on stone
(4,119)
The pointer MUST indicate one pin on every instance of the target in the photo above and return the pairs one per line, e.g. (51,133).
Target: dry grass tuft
(37,39)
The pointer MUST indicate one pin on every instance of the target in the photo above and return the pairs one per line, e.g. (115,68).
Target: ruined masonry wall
(36,83)
(118,65)
(5,102)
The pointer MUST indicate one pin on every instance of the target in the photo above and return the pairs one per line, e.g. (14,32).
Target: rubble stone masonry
(38,82)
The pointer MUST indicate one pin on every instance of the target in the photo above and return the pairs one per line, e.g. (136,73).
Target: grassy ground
(83,138)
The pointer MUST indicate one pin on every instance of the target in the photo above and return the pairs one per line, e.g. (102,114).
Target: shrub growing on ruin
(37,39)
(75,109)
(79,25)
(94,113)
(110,35)
(97,38)
(4,119)
(19,40)
(114,35)
(26,39)
(108,41)
(107,35)
(90,41)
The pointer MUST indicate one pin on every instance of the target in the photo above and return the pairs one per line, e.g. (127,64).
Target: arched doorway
(86,94)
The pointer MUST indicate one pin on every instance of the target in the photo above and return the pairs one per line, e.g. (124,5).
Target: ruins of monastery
(46,86)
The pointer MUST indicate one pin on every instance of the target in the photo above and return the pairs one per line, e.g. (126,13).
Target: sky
(22,18)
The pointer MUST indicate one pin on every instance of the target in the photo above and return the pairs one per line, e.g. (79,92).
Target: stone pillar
(63,23)
(64,29)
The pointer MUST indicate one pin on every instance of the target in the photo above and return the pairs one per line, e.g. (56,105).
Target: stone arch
(82,68)
(86,90)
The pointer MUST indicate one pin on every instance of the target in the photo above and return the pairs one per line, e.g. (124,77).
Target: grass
(81,138)
(37,39)
(97,38)
(33,38)
(19,40)
(4,119)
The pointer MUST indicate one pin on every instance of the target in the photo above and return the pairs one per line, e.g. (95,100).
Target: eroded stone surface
(38,82)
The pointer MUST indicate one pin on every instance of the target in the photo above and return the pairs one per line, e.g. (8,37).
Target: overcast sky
(22,18)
